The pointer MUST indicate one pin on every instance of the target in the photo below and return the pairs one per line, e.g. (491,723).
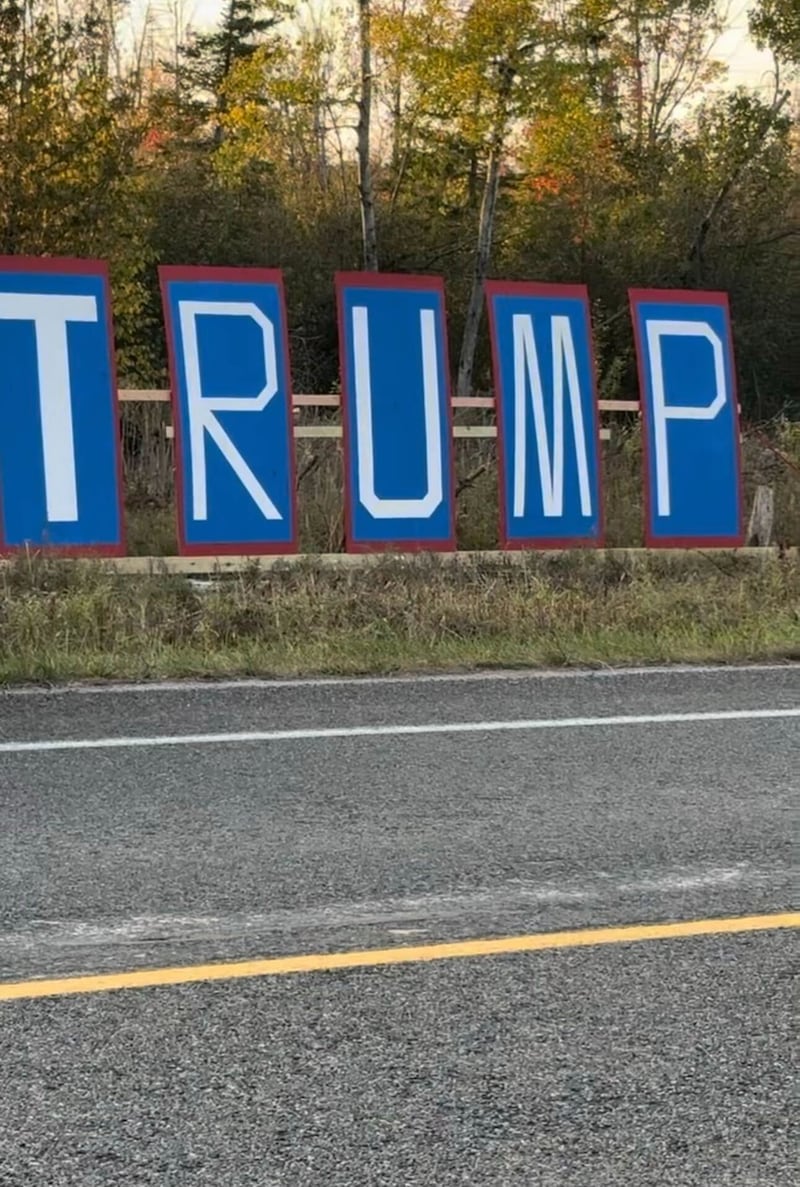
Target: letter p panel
(690,419)
(395,413)
(231,399)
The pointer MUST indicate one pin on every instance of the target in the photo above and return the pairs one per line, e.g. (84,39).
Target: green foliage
(206,62)
(68,134)
(625,159)
(776,24)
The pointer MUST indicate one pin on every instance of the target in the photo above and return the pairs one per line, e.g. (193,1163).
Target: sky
(747,66)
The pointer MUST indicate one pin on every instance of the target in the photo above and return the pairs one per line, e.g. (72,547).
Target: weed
(61,620)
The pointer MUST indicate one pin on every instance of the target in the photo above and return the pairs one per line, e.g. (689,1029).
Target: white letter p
(662,412)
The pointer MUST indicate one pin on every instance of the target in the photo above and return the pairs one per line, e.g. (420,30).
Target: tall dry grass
(63,620)
(151,519)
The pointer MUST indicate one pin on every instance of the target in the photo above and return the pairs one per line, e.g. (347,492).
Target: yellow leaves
(278,73)
(271,101)
(450,59)
(498,29)
(569,156)
(434,36)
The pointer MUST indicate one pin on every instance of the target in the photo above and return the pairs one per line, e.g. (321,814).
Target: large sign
(60,485)
(690,414)
(547,421)
(395,412)
(231,391)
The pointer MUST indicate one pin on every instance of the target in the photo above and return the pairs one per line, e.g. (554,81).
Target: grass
(62,621)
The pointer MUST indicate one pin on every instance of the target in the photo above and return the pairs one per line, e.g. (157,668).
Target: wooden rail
(320,432)
(161,396)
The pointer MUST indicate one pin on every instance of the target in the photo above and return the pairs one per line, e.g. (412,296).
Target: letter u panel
(690,419)
(60,484)
(396,413)
(231,399)
(547,421)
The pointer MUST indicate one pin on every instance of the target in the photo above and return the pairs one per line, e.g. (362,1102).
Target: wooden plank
(334,432)
(474,431)
(207,566)
(618,405)
(313,432)
(490,431)
(136,396)
(142,396)
(331,401)
(317,432)
(334,401)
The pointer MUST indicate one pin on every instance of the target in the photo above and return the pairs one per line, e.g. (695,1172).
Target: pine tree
(208,59)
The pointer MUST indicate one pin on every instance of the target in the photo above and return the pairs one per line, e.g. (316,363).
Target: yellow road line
(371,958)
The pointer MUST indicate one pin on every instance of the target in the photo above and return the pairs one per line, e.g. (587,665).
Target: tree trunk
(638,66)
(469,342)
(369,233)
(397,112)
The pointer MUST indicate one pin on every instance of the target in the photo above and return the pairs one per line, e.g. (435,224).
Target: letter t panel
(60,465)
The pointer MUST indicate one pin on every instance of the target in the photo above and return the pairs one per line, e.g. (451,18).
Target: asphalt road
(667,1062)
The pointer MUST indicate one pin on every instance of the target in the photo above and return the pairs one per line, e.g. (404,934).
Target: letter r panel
(690,419)
(60,455)
(547,419)
(396,413)
(230,378)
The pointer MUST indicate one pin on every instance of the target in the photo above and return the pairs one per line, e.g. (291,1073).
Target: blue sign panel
(690,419)
(548,433)
(396,412)
(60,467)
(231,393)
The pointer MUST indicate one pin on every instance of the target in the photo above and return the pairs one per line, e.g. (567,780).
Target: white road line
(278,685)
(383,731)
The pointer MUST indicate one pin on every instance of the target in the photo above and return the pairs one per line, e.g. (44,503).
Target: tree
(68,133)
(205,63)
(776,24)
(653,58)
(743,125)
(468,73)
(506,69)
(558,139)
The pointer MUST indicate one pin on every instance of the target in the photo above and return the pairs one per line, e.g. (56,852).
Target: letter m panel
(60,465)
(396,413)
(231,400)
(690,419)
(547,420)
